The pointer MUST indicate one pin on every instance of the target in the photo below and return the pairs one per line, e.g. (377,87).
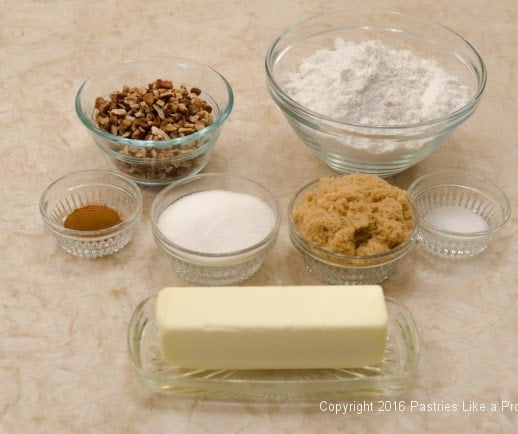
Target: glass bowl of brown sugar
(352,229)
(92,213)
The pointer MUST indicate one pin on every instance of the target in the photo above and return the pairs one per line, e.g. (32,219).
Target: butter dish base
(385,380)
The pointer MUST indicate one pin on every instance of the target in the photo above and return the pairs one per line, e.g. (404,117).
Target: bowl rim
(87,122)
(276,88)
(131,219)
(503,201)
(260,244)
(400,249)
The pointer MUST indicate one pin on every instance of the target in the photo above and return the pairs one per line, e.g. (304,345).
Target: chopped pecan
(156,112)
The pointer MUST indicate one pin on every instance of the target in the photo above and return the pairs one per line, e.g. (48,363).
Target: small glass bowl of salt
(215,228)
(459,213)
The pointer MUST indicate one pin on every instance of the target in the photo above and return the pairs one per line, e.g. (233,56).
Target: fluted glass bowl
(338,269)
(217,268)
(91,187)
(453,188)
(374,149)
(162,161)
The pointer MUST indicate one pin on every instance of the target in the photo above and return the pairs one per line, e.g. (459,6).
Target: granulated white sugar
(217,221)
(370,84)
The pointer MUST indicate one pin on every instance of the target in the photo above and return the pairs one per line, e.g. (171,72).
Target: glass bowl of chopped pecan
(156,118)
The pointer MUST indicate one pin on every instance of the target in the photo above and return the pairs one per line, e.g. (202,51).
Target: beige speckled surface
(63,361)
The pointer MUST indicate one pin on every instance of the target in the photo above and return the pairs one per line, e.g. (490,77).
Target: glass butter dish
(387,379)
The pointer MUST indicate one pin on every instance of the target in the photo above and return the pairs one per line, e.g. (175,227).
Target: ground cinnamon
(92,218)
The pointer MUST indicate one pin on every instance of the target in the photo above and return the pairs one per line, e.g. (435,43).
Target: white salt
(456,219)
(217,221)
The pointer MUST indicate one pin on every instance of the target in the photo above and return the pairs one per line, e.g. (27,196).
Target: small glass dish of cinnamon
(92,213)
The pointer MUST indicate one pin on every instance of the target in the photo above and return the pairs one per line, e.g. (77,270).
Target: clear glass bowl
(91,187)
(339,269)
(179,157)
(218,268)
(387,379)
(455,188)
(347,147)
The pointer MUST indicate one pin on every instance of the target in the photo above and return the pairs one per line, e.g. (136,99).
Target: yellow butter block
(272,327)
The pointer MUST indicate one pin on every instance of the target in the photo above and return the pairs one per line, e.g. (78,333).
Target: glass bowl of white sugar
(373,92)
(215,228)
(459,213)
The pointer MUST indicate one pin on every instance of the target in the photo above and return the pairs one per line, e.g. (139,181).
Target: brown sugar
(355,214)
(92,218)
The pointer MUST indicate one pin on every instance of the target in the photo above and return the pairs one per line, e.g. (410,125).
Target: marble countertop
(63,320)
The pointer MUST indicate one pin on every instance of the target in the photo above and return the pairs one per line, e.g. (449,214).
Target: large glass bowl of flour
(374,92)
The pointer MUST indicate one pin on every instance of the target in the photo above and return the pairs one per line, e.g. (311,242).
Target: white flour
(370,84)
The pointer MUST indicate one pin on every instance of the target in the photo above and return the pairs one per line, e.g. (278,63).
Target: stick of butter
(269,327)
